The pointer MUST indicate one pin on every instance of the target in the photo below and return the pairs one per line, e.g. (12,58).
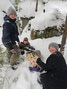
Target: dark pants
(50,82)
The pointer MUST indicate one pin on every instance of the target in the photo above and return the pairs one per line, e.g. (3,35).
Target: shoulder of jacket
(53,55)
(57,54)
(7,21)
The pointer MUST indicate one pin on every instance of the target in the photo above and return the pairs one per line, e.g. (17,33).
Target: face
(12,16)
(52,50)
(25,42)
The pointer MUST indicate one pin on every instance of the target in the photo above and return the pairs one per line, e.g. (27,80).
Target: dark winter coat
(56,71)
(10,32)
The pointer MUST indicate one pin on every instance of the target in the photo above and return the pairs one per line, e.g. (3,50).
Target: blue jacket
(10,32)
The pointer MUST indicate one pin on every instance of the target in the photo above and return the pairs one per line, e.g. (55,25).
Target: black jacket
(56,72)
(55,64)
(10,32)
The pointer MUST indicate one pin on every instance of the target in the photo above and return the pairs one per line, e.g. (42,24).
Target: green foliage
(1,55)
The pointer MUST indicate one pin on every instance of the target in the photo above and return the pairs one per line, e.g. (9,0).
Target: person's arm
(40,63)
(21,45)
(50,64)
(31,47)
(6,35)
(17,34)
(7,32)
(17,38)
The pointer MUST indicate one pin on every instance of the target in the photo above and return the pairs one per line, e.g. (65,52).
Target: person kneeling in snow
(25,46)
(55,76)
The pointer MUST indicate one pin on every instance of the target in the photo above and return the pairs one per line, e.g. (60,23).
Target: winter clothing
(56,72)
(55,45)
(26,47)
(34,68)
(14,55)
(10,32)
(11,11)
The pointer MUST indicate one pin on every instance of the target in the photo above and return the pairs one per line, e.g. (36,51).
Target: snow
(1,18)
(5,5)
(52,11)
(22,78)
(28,9)
(49,18)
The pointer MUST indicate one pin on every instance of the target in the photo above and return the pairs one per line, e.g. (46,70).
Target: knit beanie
(11,11)
(55,45)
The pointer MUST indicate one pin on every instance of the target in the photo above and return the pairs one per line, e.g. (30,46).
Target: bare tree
(63,42)
(36,8)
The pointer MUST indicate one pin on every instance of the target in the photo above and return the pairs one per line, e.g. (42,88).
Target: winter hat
(11,11)
(25,39)
(37,52)
(55,45)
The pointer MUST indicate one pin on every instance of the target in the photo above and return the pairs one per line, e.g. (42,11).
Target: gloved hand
(22,52)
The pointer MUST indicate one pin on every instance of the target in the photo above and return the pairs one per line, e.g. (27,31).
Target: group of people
(55,76)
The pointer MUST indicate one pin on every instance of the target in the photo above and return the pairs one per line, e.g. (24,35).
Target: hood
(6,18)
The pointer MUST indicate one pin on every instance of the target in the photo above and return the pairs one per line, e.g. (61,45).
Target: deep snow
(22,78)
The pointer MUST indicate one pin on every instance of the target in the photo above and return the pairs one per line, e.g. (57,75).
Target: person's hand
(33,63)
(13,51)
(19,43)
(29,58)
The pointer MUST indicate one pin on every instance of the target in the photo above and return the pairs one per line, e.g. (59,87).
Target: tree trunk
(36,8)
(63,42)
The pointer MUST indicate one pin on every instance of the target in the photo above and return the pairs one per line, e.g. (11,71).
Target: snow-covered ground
(22,78)
(55,13)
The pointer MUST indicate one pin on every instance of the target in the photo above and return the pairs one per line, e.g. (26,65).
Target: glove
(22,52)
